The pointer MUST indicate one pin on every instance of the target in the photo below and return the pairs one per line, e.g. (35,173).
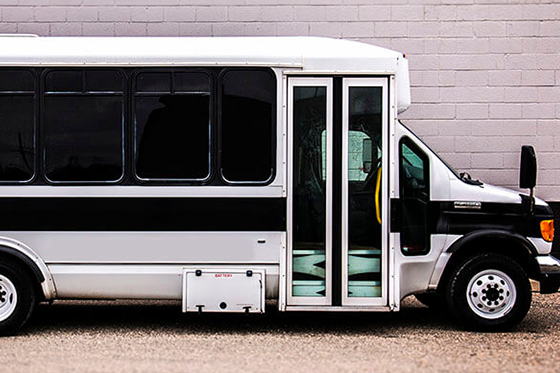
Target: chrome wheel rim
(8,298)
(491,294)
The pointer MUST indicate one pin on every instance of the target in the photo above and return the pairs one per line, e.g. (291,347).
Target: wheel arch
(509,244)
(37,269)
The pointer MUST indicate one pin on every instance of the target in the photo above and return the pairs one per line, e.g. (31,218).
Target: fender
(33,261)
(445,256)
(493,233)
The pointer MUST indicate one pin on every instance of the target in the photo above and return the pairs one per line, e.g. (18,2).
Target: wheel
(17,297)
(432,300)
(489,293)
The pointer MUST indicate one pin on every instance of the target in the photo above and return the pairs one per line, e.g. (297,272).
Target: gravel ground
(157,337)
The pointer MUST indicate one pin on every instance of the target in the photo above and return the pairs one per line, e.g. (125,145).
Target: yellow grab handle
(377,190)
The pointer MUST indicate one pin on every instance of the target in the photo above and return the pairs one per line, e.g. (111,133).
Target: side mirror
(528,167)
(367,156)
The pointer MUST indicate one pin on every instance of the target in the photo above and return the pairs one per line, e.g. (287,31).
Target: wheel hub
(491,294)
(8,298)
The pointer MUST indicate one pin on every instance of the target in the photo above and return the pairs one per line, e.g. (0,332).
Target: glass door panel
(364,113)
(310,194)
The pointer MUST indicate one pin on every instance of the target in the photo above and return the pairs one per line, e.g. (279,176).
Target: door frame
(347,83)
(327,299)
(387,301)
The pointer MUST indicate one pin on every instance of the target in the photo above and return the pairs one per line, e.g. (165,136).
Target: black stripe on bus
(142,214)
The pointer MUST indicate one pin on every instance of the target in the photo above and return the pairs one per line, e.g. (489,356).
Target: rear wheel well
(7,257)
(509,247)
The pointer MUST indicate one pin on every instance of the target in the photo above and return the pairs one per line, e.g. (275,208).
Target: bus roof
(314,54)
(311,53)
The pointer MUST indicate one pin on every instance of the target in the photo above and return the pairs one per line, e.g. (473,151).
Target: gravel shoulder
(129,336)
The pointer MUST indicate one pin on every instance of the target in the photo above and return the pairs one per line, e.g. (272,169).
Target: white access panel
(223,290)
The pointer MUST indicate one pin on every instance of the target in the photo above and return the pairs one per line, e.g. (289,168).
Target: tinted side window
(17,125)
(415,196)
(83,125)
(172,125)
(248,125)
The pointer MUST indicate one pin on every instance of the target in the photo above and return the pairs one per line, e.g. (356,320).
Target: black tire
(489,292)
(18,297)
(434,301)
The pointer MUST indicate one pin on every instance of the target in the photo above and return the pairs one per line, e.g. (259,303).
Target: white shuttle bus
(221,172)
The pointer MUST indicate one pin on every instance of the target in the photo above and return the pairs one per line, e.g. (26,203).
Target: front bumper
(549,273)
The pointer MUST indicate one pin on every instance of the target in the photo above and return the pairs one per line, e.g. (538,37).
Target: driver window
(415,196)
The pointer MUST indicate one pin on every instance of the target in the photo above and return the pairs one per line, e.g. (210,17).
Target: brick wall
(485,74)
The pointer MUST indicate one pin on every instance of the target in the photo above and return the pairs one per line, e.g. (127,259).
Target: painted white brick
(52,14)
(489,28)
(357,29)
(41,29)
(505,111)
(504,45)
(423,62)
(541,45)
(228,29)
(82,14)
(456,29)
(292,28)
(195,29)
(98,29)
(146,14)
(437,111)
(212,14)
(147,2)
(130,29)
(18,14)
(538,77)
(325,29)
(391,29)
(310,13)
(500,127)
(29,3)
(539,111)
(548,94)
(456,127)
(65,2)
(523,28)
(115,14)
(550,28)
(471,78)
(244,13)
(487,160)
(504,78)
(440,143)
(407,13)
(472,94)
(277,13)
(179,14)
(549,128)
(472,111)
(541,12)
(425,94)
(96,2)
(66,28)
(408,46)
(342,13)
(520,94)
(259,29)
(423,29)
(374,12)
(440,12)
(9,28)
(460,161)
(163,29)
